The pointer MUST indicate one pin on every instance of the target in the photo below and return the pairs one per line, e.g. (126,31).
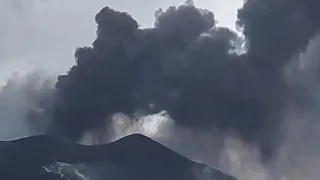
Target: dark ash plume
(189,67)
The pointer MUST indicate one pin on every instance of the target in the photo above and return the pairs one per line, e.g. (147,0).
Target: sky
(43,34)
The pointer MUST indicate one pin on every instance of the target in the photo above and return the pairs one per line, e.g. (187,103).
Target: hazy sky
(44,33)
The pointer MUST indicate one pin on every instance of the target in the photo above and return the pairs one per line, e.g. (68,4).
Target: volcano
(136,157)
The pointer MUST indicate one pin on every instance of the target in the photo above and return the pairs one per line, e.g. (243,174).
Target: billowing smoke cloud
(21,97)
(189,67)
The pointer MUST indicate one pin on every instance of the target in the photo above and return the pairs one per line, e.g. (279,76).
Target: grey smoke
(20,96)
(187,65)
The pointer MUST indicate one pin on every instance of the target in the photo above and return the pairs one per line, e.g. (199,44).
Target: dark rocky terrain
(137,157)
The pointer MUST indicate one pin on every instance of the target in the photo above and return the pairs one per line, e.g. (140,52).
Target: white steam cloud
(18,96)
